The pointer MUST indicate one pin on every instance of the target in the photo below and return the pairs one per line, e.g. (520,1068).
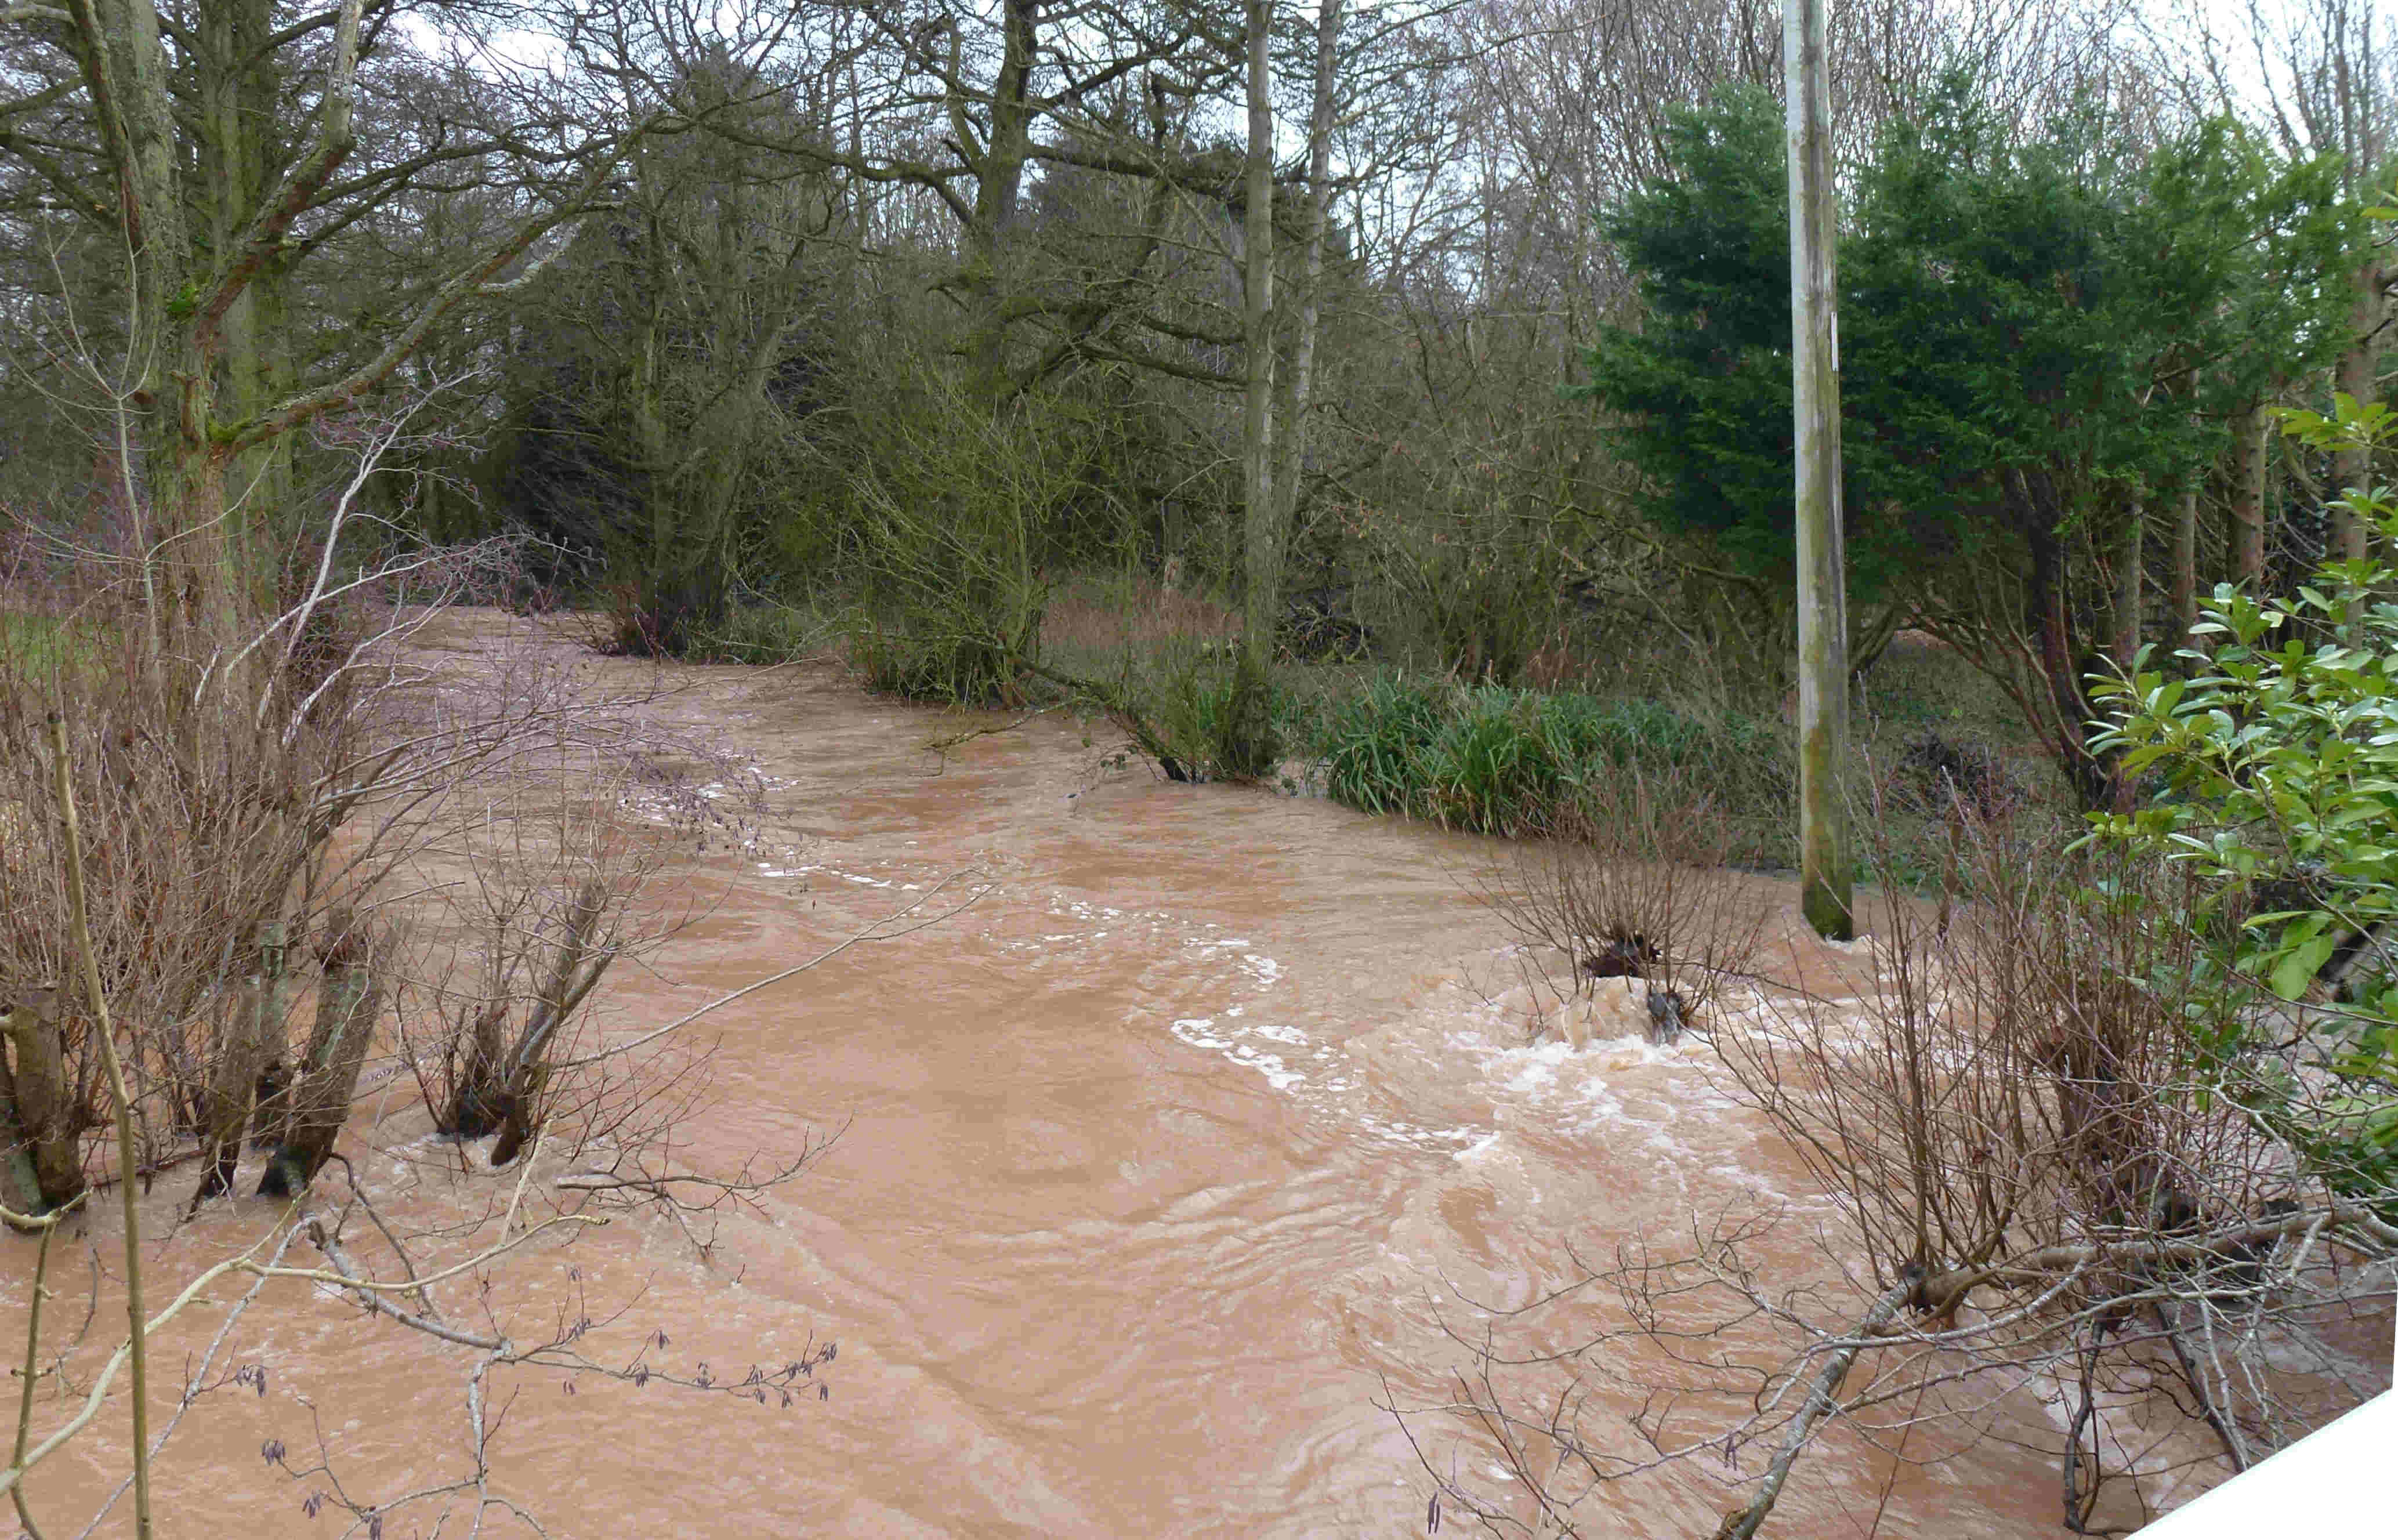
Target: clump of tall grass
(1486,759)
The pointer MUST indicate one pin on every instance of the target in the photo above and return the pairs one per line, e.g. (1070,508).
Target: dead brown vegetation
(1636,882)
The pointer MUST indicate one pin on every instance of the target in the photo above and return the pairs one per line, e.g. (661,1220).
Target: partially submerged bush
(1191,701)
(1491,759)
(921,658)
(2026,1174)
(766,632)
(1635,884)
(948,518)
(190,932)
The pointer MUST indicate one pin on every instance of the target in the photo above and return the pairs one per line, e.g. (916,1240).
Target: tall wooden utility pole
(1815,403)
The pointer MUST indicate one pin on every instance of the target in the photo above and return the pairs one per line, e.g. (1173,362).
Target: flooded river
(1161,1165)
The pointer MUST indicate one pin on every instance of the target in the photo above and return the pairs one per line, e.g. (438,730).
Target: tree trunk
(349,1004)
(126,76)
(1297,382)
(244,1047)
(2059,657)
(502,1092)
(2130,592)
(2185,569)
(241,147)
(208,188)
(1261,547)
(1825,878)
(2353,467)
(999,191)
(2130,555)
(45,1104)
(2248,463)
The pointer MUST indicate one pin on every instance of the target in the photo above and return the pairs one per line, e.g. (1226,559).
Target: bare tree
(2045,1189)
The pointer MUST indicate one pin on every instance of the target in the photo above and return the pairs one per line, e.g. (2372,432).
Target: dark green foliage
(2056,304)
(664,368)
(2040,335)
(1491,759)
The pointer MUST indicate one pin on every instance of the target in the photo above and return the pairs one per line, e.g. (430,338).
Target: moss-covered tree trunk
(998,170)
(209,183)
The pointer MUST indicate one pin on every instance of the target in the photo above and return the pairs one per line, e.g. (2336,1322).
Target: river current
(1164,1167)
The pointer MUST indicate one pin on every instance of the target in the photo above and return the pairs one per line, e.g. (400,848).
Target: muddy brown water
(1160,1163)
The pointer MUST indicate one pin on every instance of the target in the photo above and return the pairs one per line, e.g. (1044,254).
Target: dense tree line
(1457,322)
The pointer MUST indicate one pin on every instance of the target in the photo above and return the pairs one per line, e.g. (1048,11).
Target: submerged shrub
(918,658)
(1185,708)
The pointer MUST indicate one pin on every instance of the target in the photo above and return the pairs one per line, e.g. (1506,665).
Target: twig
(105,1034)
(1821,1402)
(47,1225)
(871,933)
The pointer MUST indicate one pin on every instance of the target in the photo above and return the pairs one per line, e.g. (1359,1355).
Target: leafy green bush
(1370,746)
(1193,702)
(2277,768)
(919,659)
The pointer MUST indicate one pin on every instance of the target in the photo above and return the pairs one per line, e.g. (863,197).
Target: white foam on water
(1475,1150)
(1268,1064)
(1193,1031)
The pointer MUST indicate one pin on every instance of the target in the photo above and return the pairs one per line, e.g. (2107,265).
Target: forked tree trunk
(500,1090)
(349,1003)
(999,193)
(245,1046)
